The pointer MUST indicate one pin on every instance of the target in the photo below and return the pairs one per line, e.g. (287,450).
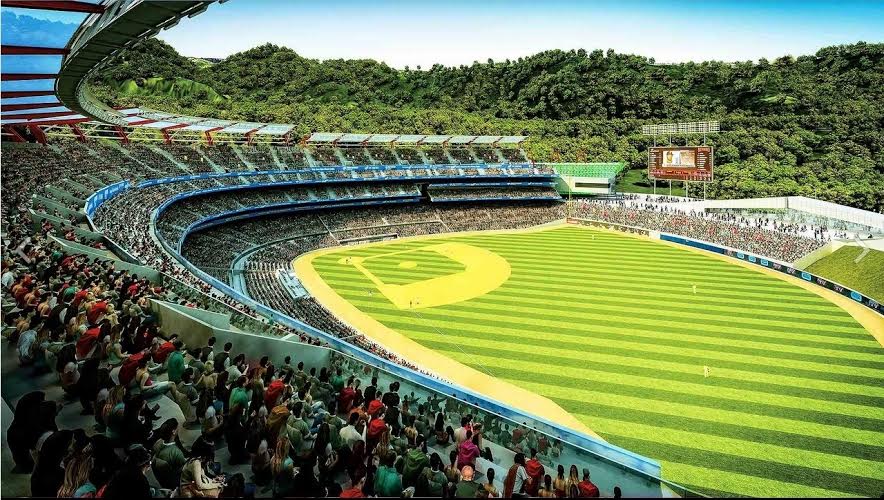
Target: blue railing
(779,267)
(104,194)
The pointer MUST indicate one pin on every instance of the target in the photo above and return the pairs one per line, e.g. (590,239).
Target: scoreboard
(680,163)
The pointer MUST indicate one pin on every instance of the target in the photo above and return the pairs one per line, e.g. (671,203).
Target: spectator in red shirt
(356,490)
(536,471)
(96,311)
(273,393)
(347,397)
(587,488)
(164,350)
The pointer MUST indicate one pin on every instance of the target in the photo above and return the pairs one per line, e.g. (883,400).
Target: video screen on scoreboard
(680,163)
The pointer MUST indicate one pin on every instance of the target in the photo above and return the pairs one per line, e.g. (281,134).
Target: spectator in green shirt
(175,365)
(239,395)
(415,461)
(387,482)
(168,455)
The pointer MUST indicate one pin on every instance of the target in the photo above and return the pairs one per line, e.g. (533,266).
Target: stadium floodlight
(683,128)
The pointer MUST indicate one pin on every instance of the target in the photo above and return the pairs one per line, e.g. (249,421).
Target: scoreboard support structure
(681,163)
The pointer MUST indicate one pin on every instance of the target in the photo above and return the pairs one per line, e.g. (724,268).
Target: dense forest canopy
(811,125)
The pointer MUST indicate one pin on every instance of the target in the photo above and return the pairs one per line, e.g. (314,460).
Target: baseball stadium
(266,275)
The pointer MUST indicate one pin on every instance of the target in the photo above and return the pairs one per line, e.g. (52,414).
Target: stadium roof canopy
(35,40)
(413,139)
(51,47)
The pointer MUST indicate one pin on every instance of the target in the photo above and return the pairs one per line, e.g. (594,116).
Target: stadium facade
(227,204)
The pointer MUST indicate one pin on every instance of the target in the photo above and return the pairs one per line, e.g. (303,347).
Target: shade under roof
(409,139)
(353,138)
(382,138)
(323,137)
(434,139)
(486,139)
(462,139)
(275,129)
(241,128)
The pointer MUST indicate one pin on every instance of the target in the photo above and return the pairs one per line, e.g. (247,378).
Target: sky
(455,32)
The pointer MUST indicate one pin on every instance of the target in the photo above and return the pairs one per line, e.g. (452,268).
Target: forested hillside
(812,125)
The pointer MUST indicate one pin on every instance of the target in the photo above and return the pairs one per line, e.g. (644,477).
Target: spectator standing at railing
(517,479)
(536,471)
(587,488)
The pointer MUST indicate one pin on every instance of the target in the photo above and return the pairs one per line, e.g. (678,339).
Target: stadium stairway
(278,161)
(165,154)
(340,155)
(242,158)
(208,160)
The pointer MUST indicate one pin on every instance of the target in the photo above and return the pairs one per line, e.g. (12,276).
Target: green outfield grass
(866,275)
(608,327)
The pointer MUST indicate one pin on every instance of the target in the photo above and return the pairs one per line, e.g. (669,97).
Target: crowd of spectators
(487,155)
(382,155)
(514,155)
(333,429)
(473,193)
(437,156)
(260,156)
(356,156)
(779,245)
(293,157)
(461,155)
(225,157)
(409,156)
(190,155)
(326,156)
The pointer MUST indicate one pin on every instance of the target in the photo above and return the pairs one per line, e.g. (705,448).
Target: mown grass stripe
(713,408)
(808,476)
(841,393)
(638,339)
(596,340)
(624,266)
(638,314)
(664,369)
(718,483)
(618,297)
(711,412)
(698,308)
(639,350)
(698,438)
(630,289)
(648,385)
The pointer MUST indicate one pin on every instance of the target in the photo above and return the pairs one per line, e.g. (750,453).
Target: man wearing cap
(587,488)
(466,488)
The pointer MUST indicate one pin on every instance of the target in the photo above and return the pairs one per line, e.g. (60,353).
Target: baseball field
(617,330)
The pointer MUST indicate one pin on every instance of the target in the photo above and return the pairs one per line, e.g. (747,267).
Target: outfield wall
(765,262)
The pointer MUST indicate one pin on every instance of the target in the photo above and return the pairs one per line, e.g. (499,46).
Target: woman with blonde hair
(76,475)
(114,355)
(112,412)
(283,468)
(208,378)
